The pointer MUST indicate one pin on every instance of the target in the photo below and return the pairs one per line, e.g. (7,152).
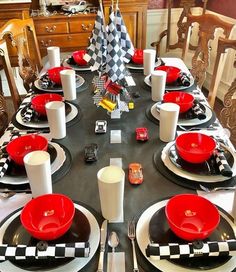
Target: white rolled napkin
(158,84)
(149,59)
(56,119)
(54,56)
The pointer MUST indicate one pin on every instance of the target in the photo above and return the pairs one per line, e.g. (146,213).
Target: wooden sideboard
(72,32)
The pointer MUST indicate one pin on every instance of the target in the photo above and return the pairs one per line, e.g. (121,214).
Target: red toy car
(135,173)
(141,134)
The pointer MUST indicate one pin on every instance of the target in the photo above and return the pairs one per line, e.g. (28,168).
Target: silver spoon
(113,242)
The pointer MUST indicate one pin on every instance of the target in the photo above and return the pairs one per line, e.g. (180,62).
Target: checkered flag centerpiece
(42,251)
(124,38)
(96,52)
(115,67)
(190,250)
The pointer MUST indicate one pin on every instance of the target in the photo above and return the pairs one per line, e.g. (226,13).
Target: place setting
(69,245)
(76,61)
(177,234)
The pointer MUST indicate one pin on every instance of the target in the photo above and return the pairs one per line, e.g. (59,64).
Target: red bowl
(184,100)
(78,57)
(172,72)
(54,74)
(39,101)
(23,145)
(138,56)
(191,217)
(195,147)
(47,217)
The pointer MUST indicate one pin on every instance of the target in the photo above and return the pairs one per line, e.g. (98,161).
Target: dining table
(78,178)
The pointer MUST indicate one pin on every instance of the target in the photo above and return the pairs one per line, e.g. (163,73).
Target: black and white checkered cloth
(23,252)
(125,41)
(198,112)
(96,52)
(184,79)
(27,114)
(190,250)
(222,163)
(115,67)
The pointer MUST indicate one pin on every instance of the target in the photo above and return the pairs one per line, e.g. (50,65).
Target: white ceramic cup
(111,181)
(56,119)
(158,85)
(68,82)
(149,59)
(169,113)
(54,56)
(38,170)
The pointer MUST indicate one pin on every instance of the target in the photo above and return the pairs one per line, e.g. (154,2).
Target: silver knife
(103,239)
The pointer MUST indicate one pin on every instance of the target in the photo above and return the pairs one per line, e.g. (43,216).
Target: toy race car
(90,152)
(141,134)
(135,173)
(77,6)
(100,126)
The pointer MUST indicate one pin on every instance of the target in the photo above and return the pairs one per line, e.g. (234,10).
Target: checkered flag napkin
(222,163)
(125,41)
(190,250)
(198,112)
(183,79)
(23,252)
(115,67)
(96,52)
(27,114)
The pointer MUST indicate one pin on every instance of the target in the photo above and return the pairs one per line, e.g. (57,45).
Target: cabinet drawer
(73,40)
(81,26)
(53,28)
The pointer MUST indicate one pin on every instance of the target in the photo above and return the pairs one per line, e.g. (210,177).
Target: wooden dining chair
(181,26)
(228,113)
(208,23)
(22,42)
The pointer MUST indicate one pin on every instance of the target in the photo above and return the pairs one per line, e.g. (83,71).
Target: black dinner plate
(16,234)
(159,232)
(208,167)
(16,170)
(39,118)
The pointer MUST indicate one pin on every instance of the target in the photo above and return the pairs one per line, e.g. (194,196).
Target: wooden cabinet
(69,33)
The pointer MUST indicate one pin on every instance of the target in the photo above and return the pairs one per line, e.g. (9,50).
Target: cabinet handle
(86,27)
(69,38)
(45,43)
(50,29)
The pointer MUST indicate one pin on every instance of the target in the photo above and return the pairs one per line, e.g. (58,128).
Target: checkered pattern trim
(23,252)
(222,163)
(177,251)
(200,114)
(27,114)
(96,52)
(115,67)
(124,38)
(184,79)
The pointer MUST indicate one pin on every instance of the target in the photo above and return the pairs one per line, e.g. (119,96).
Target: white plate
(76,67)
(170,87)
(77,263)
(184,122)
(79,82)
(190,176)
(134,66)
(56,165)
(164,265)
(44,124)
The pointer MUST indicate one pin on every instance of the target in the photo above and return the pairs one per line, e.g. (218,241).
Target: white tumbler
(158,84)
(149,60)
(54,56)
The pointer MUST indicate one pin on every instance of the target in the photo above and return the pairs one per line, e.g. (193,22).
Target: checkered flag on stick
(96,52)
(125,41)
(115,67)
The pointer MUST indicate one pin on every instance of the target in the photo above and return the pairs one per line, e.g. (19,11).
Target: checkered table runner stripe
(176,251)
(124,38)
(23,252)
(115,67)
(222,164)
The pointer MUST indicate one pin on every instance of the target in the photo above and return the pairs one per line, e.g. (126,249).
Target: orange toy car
(135,173)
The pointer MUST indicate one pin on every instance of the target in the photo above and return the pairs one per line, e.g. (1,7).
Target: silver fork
(208,190)
(131,235)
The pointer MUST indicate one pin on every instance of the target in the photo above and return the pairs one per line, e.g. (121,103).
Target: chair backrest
(228,113)
(181,26)
(208,23)
(4,57)
(21,41)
